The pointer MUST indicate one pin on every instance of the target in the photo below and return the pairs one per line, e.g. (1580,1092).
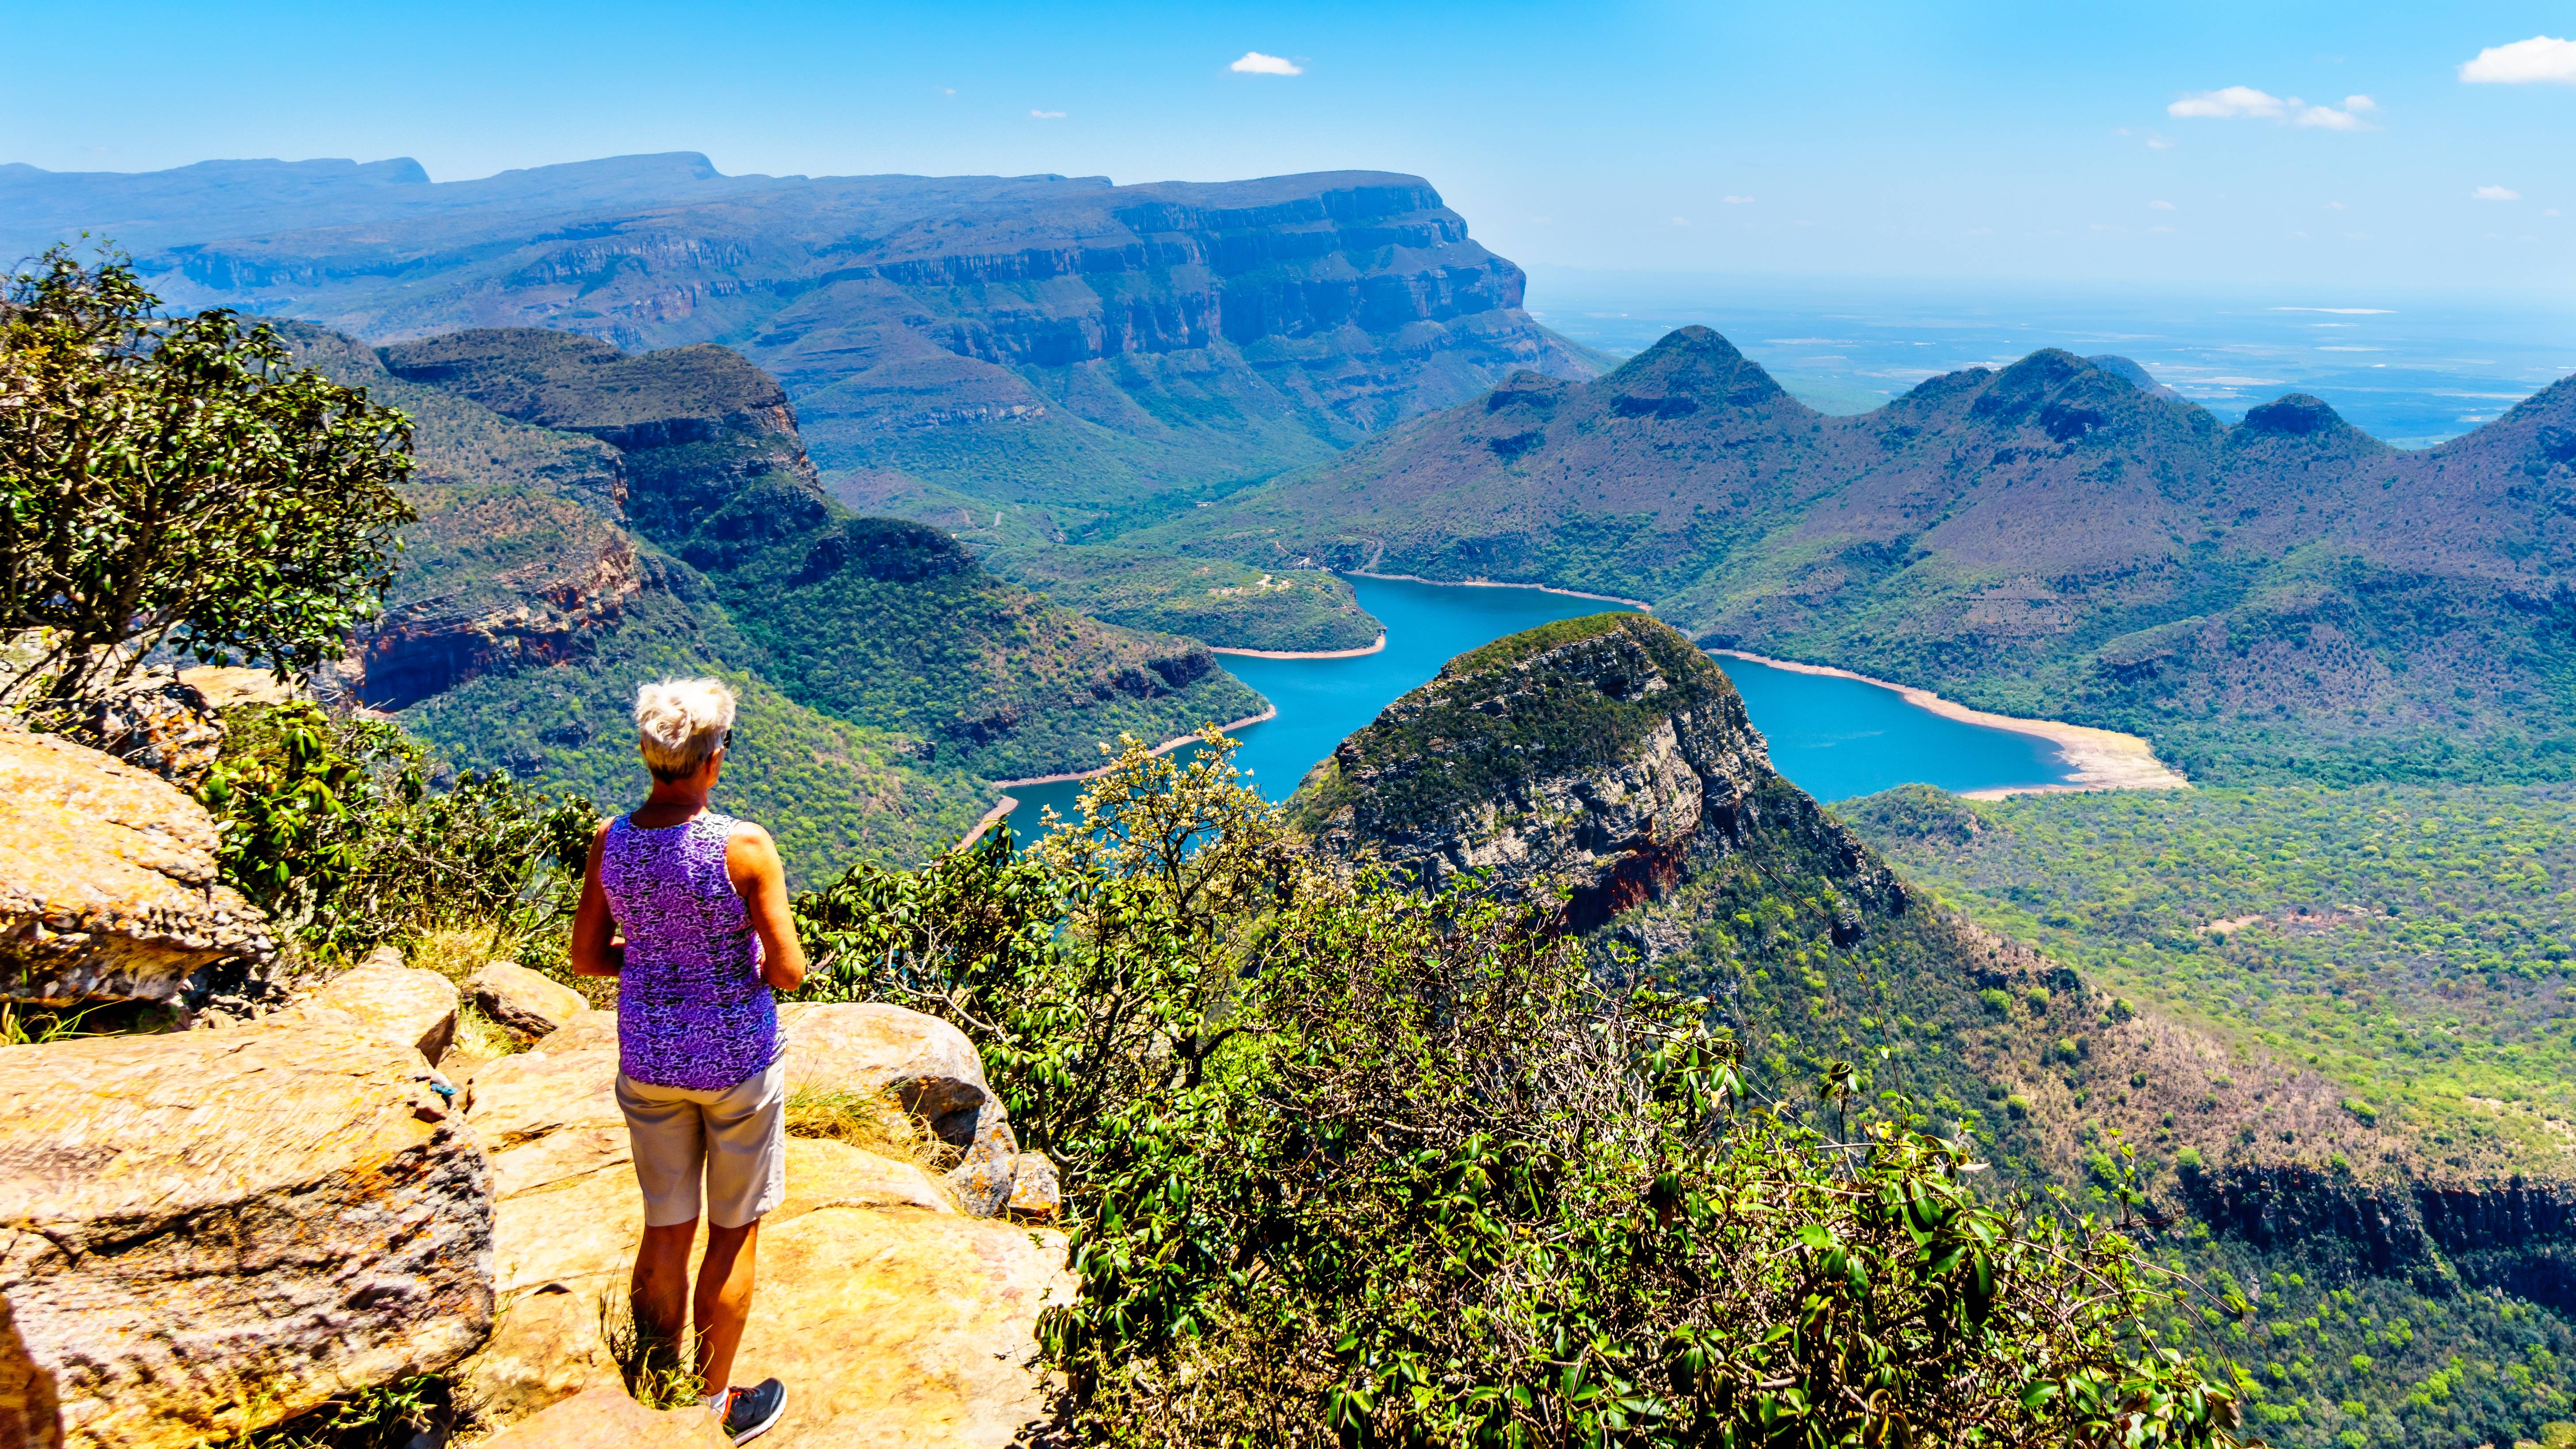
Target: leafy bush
(1347,1165)
(172,482)
(329,824)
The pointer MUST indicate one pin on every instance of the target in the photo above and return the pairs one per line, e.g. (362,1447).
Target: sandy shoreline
(1638,604)
(1006,804)
(1378,647)
(2101,759)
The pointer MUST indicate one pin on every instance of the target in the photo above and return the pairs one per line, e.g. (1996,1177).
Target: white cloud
(1046,115)
(1739,201)
(2334,206)
(2166,229)
(2231,102)
(2244,103)
(2495,193)
(2160,206)
(2540,58)
(2327,118)
(1681,221)
(2158,143)
(2344,311)
(2553,211)
(1255,63)
(948,90)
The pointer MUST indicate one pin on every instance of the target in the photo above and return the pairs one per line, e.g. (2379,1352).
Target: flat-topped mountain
(2044,539)
(1008,338)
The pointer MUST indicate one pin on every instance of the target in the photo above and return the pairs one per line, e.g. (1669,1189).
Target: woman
(687,908)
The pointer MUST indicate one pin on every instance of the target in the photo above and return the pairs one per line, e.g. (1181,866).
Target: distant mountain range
(2284,598)
(1050,339)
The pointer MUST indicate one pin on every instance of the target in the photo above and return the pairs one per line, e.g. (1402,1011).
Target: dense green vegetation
(171,483)
(1348,1165)
(829,791)
(328,824)
(1215,601)
(694,526)
(2410,942)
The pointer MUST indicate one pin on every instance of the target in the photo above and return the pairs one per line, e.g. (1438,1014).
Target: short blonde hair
(681,722)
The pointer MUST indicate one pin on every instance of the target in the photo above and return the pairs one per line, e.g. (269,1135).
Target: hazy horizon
(2371,144)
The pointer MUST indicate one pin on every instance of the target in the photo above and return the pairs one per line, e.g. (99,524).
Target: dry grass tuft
(866,1122)
(457,952)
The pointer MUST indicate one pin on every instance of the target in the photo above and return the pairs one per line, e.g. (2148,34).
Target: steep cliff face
(1600,757)
(1009,336)
(881,622)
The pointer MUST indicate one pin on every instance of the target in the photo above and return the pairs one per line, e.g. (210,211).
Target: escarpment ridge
(1093,340)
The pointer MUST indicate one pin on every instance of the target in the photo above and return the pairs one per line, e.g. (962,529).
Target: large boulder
(399,1003)
(107,881)
(894,1318)
(523,1001)
(921,1064)
(207,1232)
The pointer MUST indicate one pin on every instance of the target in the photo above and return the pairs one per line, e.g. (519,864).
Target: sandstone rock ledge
(107,880)
(893,1318)
(204,1233)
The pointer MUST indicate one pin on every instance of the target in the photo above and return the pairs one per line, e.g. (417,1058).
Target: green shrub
(328,824)
(1346,1165)
(1997,1000)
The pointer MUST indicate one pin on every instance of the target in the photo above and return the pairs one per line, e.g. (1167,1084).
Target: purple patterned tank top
(692,1011)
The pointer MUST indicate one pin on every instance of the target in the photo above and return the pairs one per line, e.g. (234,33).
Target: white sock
(715,1402)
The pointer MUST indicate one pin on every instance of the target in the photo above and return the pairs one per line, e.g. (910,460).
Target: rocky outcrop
(525,1003)
(1598,757)
(108,886)
(156,720)
(207,1232)
(402,1004)
(894,1317)
(924,1066)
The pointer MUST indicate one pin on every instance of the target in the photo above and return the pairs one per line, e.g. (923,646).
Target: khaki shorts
(735,1139)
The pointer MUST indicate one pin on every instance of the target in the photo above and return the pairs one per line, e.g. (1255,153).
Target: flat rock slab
(107,880)
(604,1417)
(892,1318)
(204,1233)
(399,1003)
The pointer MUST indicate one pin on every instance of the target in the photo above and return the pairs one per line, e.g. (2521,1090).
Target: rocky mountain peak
(2296,415)
(1600,759)
(1691,367)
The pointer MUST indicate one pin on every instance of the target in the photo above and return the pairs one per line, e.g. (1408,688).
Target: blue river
(1836,738)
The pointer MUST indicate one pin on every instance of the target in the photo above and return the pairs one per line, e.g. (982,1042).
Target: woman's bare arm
(596,948)
(751,862)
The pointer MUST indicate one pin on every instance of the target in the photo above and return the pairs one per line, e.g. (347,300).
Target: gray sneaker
(750,1412)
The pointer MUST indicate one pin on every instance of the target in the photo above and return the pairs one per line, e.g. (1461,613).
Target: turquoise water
(1834,737)
(1838,738)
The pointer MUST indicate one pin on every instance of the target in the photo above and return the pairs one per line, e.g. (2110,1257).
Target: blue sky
(2011,141)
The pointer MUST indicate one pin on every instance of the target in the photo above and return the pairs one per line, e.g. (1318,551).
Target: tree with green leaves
(1346,1165)
(175,482)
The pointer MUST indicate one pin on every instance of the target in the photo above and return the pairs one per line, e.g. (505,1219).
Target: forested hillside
(2284,598)
(590,519)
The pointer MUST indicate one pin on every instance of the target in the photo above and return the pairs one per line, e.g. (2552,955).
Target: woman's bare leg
(723,1302)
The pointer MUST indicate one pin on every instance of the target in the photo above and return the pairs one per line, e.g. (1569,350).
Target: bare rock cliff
(1598,757)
